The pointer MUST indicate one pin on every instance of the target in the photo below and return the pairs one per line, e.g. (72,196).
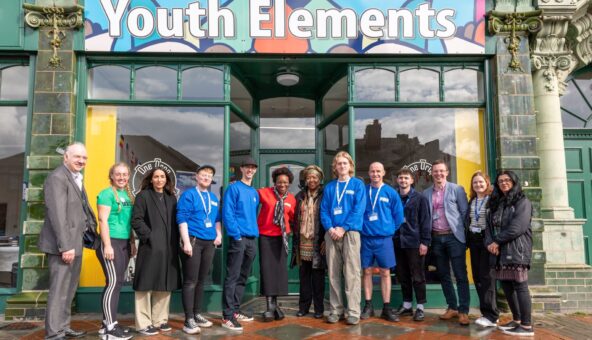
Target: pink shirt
(439,221)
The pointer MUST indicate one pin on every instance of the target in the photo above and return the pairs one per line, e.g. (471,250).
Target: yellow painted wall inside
(101,130)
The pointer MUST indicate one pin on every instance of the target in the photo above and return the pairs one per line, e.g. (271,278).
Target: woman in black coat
(157,264)
(508,237)
(308,246)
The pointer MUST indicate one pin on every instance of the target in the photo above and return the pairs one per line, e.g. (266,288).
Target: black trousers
(195,272)
(239,261)
(410,273)
(114,276)
(518,298)
(312,288)
(484,281)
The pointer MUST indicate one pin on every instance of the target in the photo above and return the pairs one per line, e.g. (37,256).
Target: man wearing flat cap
(239,216)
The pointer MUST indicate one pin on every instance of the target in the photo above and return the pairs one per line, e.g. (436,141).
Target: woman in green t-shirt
(115,205)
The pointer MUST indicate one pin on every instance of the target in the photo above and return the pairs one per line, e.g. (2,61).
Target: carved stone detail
(56,18)
(580,35)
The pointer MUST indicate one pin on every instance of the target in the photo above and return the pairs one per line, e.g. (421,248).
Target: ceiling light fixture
(287,78)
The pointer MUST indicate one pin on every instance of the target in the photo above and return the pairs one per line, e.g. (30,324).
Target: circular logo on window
(141,170)
(421,167)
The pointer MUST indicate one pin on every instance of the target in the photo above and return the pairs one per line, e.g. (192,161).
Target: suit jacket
(455,207)
(66,214)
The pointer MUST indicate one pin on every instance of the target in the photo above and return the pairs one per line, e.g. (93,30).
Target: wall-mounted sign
(141,170)
(286,26)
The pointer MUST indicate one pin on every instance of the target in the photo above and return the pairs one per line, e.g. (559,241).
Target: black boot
(278,313)
(269,313)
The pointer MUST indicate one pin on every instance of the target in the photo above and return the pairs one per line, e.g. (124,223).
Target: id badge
(373,217)
(475,230)
(436,216)
(337,211)
(404,220)
(208,223)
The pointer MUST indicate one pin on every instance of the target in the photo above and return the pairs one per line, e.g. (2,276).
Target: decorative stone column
(52,128)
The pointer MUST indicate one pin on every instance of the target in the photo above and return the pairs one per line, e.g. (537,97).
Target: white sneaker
(202,322)
(243,317)
(191,327)
(485,322)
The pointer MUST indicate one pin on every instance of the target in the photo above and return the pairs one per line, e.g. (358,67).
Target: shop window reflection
(419,85)
(240,96)
(463,85)
(109,82)
(335,98)
(15,83)
(240,134)
(336,134)
(203,83)
(375,84)
(156,82)
(287,123)
(576,102)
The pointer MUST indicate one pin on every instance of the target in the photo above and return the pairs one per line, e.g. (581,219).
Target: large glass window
(109,82)
(156,82)
(576,103)
(287,123)
(463,85)
(205,83)
(376,85)
(240,134)
(419,84)
(240,96)
(336,97)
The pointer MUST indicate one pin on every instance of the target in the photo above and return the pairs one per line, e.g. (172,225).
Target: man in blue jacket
(239,215)
(448,207)
(342,212)
(411,245)
(383,216)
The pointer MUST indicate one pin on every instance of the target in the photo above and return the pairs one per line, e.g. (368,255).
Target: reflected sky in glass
(240,134)
(15,83)
(287,133)
(335,97)
(13,130)
(375,85)
(419,85)
(109,82)
(463,85)
(203,83)
(156,82)
(337,133)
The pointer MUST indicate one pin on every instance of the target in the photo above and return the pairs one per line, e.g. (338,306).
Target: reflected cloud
(156,82)
(13,130)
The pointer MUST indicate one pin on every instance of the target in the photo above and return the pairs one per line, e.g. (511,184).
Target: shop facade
(291,83)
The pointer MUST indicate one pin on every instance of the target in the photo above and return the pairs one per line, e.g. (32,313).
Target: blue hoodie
(190,210)
(388,209)
(352,205)
(239,212)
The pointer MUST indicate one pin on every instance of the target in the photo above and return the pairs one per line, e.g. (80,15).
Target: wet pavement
(547,326)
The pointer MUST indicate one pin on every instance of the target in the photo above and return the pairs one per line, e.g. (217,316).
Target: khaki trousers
(343,257)
(152,308)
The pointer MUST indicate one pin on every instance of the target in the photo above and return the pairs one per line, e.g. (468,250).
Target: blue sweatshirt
(239,213)
(190,210)
(388,212)
(353,203)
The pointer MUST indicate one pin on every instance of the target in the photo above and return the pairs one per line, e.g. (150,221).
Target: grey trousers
(343,257)
(63,282)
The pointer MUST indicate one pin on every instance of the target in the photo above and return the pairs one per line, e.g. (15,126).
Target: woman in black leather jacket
(508,238)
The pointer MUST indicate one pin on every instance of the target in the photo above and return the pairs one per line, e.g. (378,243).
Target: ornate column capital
(57,19)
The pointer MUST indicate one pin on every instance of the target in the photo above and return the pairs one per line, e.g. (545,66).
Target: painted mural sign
(286,26)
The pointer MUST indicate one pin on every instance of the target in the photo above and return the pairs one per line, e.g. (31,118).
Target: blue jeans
(450,251)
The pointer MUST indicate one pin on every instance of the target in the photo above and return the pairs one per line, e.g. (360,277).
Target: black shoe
(117,333)
(318,315)
(367,312)
(278,312)
(268,315)
(418,316)
(387,314)
(165,327)
(402,311)
(301,313)
(149,331)
(70,333)
(519,331)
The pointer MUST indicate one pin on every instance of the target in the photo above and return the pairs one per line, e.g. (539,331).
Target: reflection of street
(11,183)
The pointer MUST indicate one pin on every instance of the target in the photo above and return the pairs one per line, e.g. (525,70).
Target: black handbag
(91,239)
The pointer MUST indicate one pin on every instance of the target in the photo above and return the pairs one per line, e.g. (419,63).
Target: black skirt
(273,266)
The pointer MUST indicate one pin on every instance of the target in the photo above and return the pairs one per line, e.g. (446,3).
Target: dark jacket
(514,237)
(157,263)
(318,259)
(417,227)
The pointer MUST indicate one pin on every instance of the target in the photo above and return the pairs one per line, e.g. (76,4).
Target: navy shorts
(379,249)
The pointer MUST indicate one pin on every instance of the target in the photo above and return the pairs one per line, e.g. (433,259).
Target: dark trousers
(114,277)
(450,251)
(312,288)
(410,274)
(63,282)
(484,281)
(518,298)
(238,267)
(195,272)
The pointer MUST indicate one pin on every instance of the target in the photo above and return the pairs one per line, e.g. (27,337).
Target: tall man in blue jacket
(411,245)
(342,212)
(239,215)
(448,206)
(383,216)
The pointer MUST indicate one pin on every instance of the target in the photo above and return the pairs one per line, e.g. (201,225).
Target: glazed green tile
(41,124)
(52,102)
(518,147)
(32,260)
(47,145)
(510,162)
(516,105)
(537,226)
(517,125)
(531,163)
(43,58)
(30,243)
(32,227)
(44,81)
(35,195)
(36,211)
(515,84)
(60,124)
(37,178)
(63,81)
(38,162)
(55,161)
(35,279)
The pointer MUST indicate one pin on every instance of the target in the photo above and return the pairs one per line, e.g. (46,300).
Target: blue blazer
(455,207)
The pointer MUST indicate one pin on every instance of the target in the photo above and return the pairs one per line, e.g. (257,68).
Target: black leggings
(195,272)
(114,275)
(518,298)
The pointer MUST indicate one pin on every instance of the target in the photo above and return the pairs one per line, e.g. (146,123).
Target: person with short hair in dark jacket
(411,242)
(508,237)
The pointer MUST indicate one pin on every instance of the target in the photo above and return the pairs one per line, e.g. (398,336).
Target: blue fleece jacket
(352,205)
(190,210)
(239,213)
(388,209)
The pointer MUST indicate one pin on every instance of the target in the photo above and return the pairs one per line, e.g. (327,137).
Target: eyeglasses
(505,180)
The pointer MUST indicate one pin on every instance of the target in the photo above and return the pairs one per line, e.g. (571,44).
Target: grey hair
(73,145)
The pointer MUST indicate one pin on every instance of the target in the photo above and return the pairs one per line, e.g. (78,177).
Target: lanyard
(376,197)
(338,195)
(478,208)
(203,203)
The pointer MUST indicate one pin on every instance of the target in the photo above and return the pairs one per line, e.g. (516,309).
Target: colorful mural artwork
(286,26)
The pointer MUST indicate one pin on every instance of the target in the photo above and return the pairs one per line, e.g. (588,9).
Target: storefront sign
(286,26)
(143,169)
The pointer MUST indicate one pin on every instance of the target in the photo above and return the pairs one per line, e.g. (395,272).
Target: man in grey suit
(448,207)
(66,216)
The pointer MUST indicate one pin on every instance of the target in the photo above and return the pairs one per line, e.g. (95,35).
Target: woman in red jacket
(275,216)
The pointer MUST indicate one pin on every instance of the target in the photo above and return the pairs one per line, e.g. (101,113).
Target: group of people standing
(342,229)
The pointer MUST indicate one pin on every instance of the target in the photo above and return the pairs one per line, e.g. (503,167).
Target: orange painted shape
(287,44)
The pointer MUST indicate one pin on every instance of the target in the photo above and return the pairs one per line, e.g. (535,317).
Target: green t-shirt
(119,220)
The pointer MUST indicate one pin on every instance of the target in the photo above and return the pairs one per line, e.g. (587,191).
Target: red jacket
(265,218)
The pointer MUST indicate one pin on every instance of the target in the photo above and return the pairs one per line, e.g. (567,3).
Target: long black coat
(157,264)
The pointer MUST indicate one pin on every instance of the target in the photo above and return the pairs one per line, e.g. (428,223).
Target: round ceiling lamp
(287,78)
